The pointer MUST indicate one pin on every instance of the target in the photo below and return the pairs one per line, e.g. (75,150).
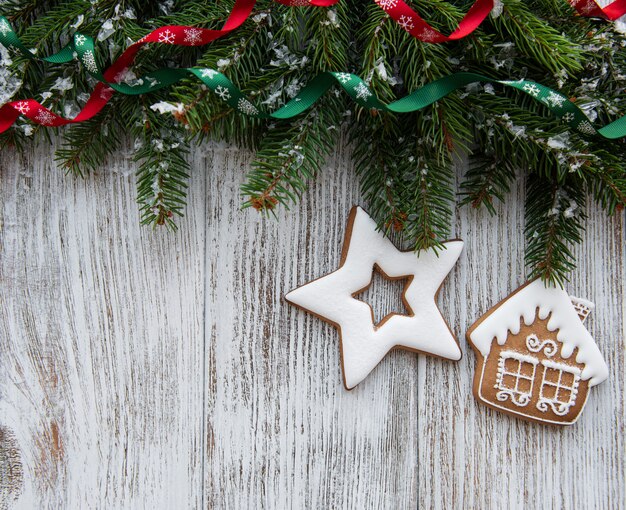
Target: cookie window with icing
(535,358)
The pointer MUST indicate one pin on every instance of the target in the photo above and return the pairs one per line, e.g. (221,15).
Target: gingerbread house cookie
(535,358)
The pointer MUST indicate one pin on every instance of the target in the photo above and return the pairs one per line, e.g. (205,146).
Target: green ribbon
(81,46)
(357,89)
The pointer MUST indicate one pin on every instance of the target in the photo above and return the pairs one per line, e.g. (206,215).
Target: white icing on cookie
(363,344)
(555,303)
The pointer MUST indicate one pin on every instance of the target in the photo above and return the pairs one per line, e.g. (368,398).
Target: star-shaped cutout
(363,344)
(403,281)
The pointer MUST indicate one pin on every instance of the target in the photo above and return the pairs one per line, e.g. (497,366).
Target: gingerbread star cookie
(363,343)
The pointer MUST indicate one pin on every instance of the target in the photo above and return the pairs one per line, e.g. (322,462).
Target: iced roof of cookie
(554,303)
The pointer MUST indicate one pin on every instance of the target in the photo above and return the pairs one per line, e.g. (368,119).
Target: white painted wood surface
(149,369)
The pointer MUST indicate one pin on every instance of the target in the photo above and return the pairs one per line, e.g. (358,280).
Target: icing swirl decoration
(558,408)
(520,400)
(548,346)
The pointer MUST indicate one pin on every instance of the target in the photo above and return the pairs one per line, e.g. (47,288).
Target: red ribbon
(591,9)
(415,25)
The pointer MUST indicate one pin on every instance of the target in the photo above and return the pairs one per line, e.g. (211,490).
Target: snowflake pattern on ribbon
(120,76)
(167,37)
(406,22)
(584,6)
(589,8)
(106,93)
(193,36)
(22,107)
(555,100)
(246,106)
(428,35)
(222,92)
(586,128)
(89,60)
(387,4)
(531,89)
(343,77)
(44,117)
(5,28)
(208,73)
(362,92)
(226,91)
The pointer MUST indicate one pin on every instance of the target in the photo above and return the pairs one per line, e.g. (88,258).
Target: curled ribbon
(355,87)
(83,47)
(406,18)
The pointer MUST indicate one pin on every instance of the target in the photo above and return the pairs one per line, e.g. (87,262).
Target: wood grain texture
(101,331)
(142,368)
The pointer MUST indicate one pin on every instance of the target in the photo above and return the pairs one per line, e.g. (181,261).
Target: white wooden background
(149,369)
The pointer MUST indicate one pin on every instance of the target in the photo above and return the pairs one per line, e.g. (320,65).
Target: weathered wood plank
(101,339)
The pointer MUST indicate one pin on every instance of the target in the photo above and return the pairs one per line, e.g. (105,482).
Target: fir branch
(161,150)
(13,139)
(444,124)
(441,14)
(288,156)
(430,197)
(607,182)
(554,222)
(161,179)
(543,46)
(291,154)
(376,37)
(87,145)
(328,31)
(489,177)
(22,11)
(47,32)
(208,117)
(376,141)
(403,161)
(407,188)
